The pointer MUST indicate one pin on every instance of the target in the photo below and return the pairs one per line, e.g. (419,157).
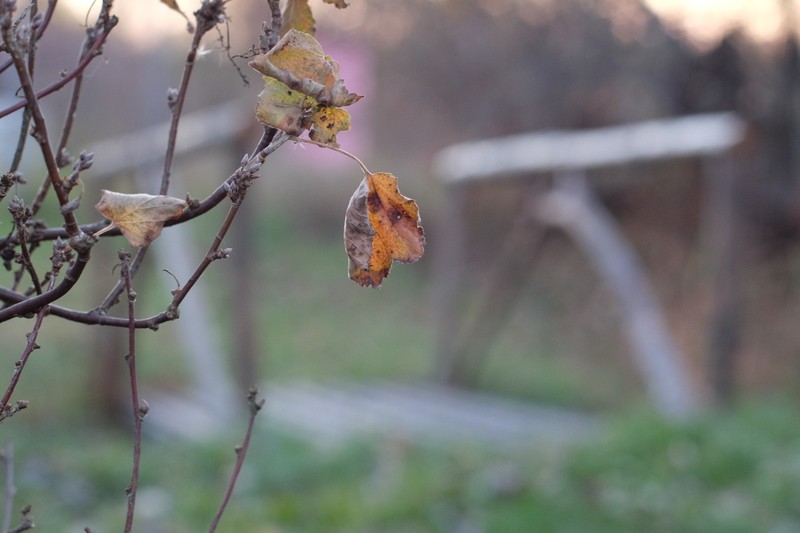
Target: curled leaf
(139,217)
(299,64)
(281,107)
(341,4)
(381,226)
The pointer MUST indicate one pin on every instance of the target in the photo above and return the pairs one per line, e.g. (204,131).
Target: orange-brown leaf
(381,226)
(139,217)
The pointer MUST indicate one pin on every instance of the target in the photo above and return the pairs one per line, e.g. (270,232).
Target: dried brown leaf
(139,217)
(381,226)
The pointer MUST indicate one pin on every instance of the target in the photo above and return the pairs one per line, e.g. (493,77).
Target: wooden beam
(696,135)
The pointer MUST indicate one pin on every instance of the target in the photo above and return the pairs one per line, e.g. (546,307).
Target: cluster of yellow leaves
(302,89)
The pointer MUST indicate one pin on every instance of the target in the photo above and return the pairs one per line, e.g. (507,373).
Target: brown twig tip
(10,410)
(26,523)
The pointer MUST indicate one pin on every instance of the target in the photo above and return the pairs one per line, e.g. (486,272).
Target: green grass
(738,471)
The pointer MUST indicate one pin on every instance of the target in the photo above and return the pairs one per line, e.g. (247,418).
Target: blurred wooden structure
(465,335)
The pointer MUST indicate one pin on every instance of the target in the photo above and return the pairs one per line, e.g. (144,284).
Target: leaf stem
(335,149)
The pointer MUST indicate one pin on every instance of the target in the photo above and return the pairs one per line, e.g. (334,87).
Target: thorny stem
(139,408)
(241,451)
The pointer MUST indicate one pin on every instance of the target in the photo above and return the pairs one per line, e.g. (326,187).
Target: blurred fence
(465,335)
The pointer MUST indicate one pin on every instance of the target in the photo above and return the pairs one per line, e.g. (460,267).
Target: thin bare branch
(39,31)
(264,145)
(255,406)
(27,521)
(139,408)
(26,116)
(23,305)
(21,214)
(60,256)
(62,81)
(208,16)
(39,122)
(82,245)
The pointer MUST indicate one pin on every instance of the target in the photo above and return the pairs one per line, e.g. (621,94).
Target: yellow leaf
(297,15)
(139,217)
(381,226)
(299,62)
(283,108)
(341,4)
(326,122)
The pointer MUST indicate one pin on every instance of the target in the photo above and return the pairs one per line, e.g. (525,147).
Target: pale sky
(703,20)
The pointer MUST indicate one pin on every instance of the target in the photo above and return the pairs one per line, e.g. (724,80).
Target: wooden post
(497,296)
(450,272)
(721,242)
(572,206)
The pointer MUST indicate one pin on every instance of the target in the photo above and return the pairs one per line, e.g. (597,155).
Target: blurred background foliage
(436,72)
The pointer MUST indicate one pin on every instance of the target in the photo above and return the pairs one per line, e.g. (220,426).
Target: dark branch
(255,406)
(95,51)
(139,408)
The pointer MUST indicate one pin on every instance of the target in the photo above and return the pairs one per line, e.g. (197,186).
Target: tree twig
(208,16)
(60,256)
(27,521)
(62,159)
(39,122)
(263,146)
(139,408)
(26,116)
(62,81)
(39,31)
(24,305)
(21,214)
(81,245)
(255,406)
